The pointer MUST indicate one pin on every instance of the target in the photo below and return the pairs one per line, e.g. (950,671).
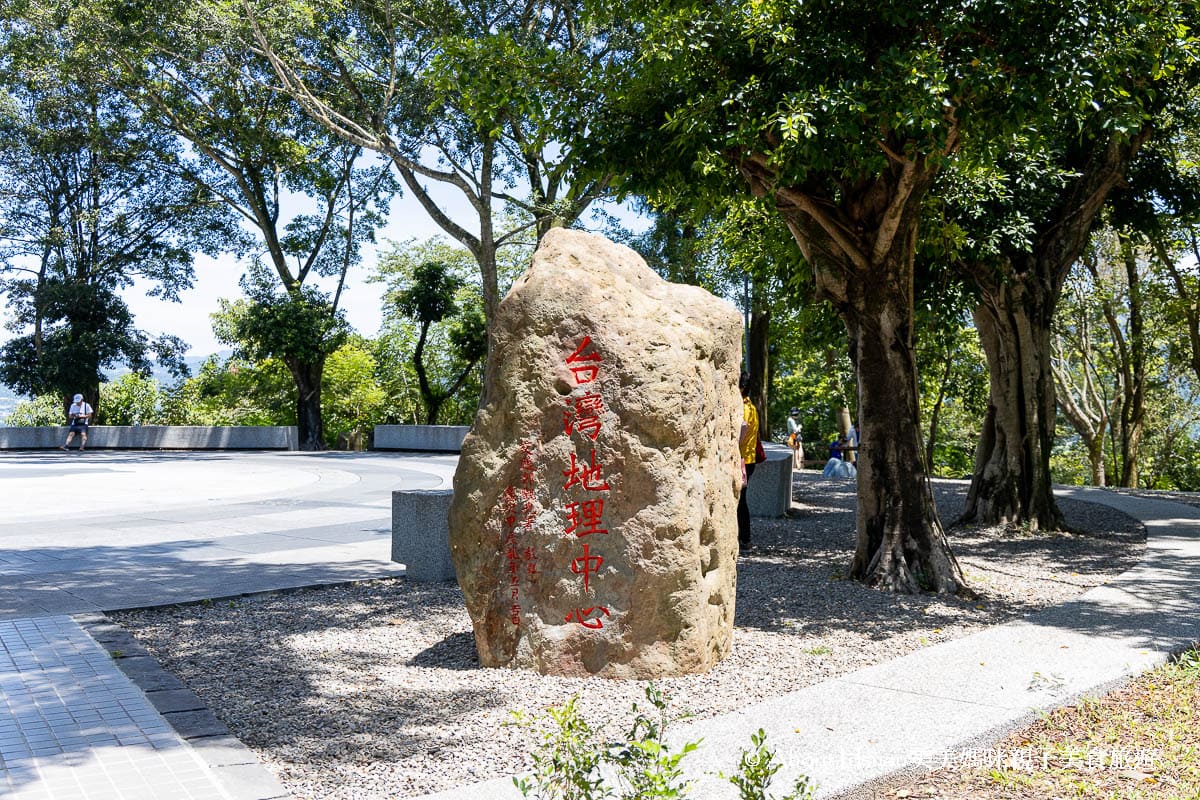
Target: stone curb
(233,765)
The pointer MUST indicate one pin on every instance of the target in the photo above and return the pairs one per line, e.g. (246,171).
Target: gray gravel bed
(373,690)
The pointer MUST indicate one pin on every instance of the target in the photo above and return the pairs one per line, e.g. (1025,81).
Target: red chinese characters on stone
(582,415)
(590,476)
(581,615)
(518,512)
(578,363)
(586,565)
(584,519)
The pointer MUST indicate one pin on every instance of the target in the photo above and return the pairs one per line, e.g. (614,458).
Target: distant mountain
(8,401)
(164,378)
(9,397)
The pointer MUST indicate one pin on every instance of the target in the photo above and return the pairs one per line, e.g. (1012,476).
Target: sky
(218,278)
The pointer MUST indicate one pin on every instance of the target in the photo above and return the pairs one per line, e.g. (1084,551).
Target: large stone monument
(593,527)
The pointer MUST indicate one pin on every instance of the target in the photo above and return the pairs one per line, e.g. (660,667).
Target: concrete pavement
(84,711)
(101,531)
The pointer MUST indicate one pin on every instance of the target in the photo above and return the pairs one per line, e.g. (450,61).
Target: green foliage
(756,770)
(131,399)
(46,409)
(570,764)
(567,760)
(299,326)
(819,381)
(954,385)
(433,338)
(429,297)
(90,203)
(646,767)
(235,392)
(1069,458)
(352,399)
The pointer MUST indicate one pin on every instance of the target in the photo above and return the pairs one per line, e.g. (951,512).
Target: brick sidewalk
(73,726)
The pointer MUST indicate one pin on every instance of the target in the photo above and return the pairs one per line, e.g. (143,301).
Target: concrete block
(192,724)
(173,700)
(421,533)
(769,493)
(429,438)
(158,437)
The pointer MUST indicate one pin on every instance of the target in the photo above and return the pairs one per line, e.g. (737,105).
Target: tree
(844,114)
(131,399)
(476,98)
(256,151)
(353,399)
(1081,372)
(843,126)
(42,410)
(426,285)
(89,202)
(1125,69)
(300,328)
(233,391)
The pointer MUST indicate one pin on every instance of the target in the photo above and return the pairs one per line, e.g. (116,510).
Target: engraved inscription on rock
(593,527)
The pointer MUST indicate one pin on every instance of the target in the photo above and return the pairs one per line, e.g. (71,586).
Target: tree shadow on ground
(795,583)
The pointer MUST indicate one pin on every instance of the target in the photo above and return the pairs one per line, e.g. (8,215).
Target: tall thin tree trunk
(1133,367)
(759,362)
(936,413)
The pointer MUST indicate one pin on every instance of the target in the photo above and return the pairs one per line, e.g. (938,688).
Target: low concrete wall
(431,438)
(157,437)
(421,533)
(769,493)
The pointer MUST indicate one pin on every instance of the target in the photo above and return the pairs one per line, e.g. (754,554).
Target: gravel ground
(373,690)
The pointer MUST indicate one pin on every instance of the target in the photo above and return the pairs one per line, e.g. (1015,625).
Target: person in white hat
(78,415)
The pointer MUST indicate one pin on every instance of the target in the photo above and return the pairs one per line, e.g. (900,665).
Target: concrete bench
(421,533)
(157,437)
(769,493)
(426,438)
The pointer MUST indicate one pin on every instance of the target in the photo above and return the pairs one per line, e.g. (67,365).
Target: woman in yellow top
(747,445)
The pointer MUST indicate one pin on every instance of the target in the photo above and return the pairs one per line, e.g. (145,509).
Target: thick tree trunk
(310,427)
(1012,462)
(901,545)
(860,245)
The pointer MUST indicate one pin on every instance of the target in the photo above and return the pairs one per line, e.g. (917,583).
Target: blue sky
(218,278)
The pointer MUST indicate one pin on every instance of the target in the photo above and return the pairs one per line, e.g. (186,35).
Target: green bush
(130,400)
(351,398)
(46,409)
(569,759)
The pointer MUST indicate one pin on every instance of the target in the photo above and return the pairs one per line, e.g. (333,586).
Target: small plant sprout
(646,767)
(756,769)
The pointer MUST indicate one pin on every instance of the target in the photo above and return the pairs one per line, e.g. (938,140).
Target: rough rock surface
(593,528)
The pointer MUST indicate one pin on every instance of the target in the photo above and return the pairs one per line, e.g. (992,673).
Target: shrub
(46,409)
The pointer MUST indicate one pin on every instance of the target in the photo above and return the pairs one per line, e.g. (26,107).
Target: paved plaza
(99,531)
(86,713)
